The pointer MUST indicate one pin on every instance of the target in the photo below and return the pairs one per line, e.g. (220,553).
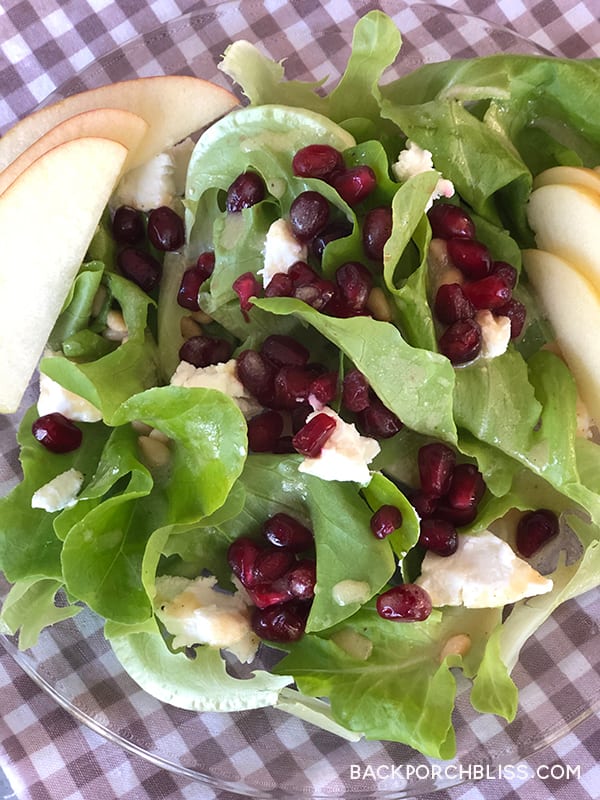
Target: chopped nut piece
(154,452)
(189,327)
(201,317)
(353,643)
(457,645)
(378,305)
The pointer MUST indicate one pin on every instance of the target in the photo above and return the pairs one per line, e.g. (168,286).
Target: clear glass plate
(266,753)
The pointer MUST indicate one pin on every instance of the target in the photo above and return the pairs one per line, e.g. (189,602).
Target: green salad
(330,453)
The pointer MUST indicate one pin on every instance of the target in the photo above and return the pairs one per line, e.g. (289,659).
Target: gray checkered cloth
(123,744)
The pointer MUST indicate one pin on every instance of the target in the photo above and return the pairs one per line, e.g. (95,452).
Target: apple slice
(573,308)
(576,176)
(47,219)
(174,106)
(566,221)
(108,123)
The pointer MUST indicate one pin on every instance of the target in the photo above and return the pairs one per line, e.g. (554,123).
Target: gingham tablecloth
(44,752)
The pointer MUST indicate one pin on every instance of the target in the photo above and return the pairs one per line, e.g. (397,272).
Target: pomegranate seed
(283,622)
(436,463)
(451,304)
(535,528)
(457,516)
(354,184)
(299,414)
(301,274)
(187,296)
(461,342)
(490,292)
(292,385)
(354,282)
(337,230)
(56,433)
(271,563)
(256,374)
(264,431)
(505,271)
(424,504)
(385,521)
(316,294)
(355,391)
(246,286)
(165,229)
(317,161)
(301,579)
(378,421)
(280,285)
(128,225)
(246,190)
(450,222)
(264,595)
(324,388)
(140,268)
(439,536)
(471,257)
(309,213)
(466,487)
(405,603)
(517,313)
(282,530)
(283,350)
(241,556)
(310,439)
(377,229)
(202,351)
(206,263)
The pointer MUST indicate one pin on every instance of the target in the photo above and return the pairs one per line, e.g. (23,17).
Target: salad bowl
(265,752)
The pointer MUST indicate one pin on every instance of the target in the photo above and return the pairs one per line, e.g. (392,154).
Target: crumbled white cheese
(55,398)
(495,333)
(281,250)
(483,573)
(222,377)
(61,492)
(148,186)
(412,161)
(345,456)
(195,612)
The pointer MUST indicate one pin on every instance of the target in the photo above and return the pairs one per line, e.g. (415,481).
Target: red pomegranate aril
(282,530)
(128,225)
(436,462)
(301,579)
(255,373)
(354,184)
(140,268)
(191,281)
(385,521)
(354,282)
(309,214)
(324,388)
(451,305)
(424,504)
(505,271)
(272,563)
(245,191)
(355,391)
(241,556)
(337,230)
(467,487)
(265,595)
(376,230)
(202,351)
(517,314)
(292,385)
(283,622)
(317,161)
(302,274)
(165,229)
(461,341)
(246,286)
(316,294)
(439,536)
(457,516)
(471,257)
(299,414)
(491,292)
(57,433)
(206,263)
(405,603)
(280,285)
(264,431)
(311,438)
(284,350)
(378,421)
(534,529)
(450,222)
